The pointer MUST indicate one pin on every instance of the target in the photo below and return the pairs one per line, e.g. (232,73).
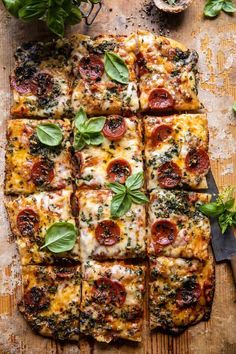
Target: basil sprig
(56,13)
(88,131)
(214,7)
(49,134)
(224,209)
(127,194)
(60,237)
(116,68)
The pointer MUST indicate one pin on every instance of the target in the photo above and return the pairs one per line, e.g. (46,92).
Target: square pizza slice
(33,165)
(41,81)
(41,219)
(176,151)
(104,238)
(51,300)
(181,292)
(176,227)
(117,157)
(112,301)
(104,71)
(168,74)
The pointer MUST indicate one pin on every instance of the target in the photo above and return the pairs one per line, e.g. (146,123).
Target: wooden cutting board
(215,40)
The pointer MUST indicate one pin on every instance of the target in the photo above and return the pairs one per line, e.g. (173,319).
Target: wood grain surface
(215,40)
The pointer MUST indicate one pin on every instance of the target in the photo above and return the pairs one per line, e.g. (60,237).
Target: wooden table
(215,40)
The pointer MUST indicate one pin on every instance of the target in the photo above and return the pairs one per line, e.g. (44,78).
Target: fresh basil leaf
(212,209)
(55,20)
(213,8)
(80,118)
(135,181)
(96,139)
(229,204)
(13,6)
(116,68)
(79,142)
(94,125)
(138,197)
(86,138)
(60,237)
(95,1)
(225,221)
(49,134)
(74,16)
(116,187)
(120,205)
(228,6)
(234,107)
(33,9)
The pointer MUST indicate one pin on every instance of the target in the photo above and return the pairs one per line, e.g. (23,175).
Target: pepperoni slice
(118,170)
(91,67)
(197,161)
(107,291)
(164,232)
(114,128)
(189,294)
(107,233)
(161,133)
(27,222)
(169,175)
(160,100)
(42,172)
(22,88)
(41,84)
(35,300)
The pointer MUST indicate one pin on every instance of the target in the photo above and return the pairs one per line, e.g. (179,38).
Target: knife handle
(233,265)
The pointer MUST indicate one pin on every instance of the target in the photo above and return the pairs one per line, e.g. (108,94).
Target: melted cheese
(168,276)
(193,228)
(94,206)
(95,159)
(51,208)
(182,87)
(19,160)
(64,296)
(189,131)
(114,324)
(105,96)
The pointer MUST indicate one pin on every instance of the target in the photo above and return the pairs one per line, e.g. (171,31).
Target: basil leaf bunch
(60,237)
(88,131)
(49,134)
(56,13)
(214,7)
(116,68)
(224,209)
(127,194)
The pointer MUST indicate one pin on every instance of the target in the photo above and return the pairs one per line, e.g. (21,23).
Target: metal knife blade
(224,246)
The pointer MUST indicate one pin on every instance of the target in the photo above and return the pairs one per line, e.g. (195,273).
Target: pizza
(181,292)
(93,89)
(167,74)
(89,277)
(103,238)
(176,227)
(51,298)
(176,151)
(31,165)
(31,216)
(40,82)
(112,301)
(119,156)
